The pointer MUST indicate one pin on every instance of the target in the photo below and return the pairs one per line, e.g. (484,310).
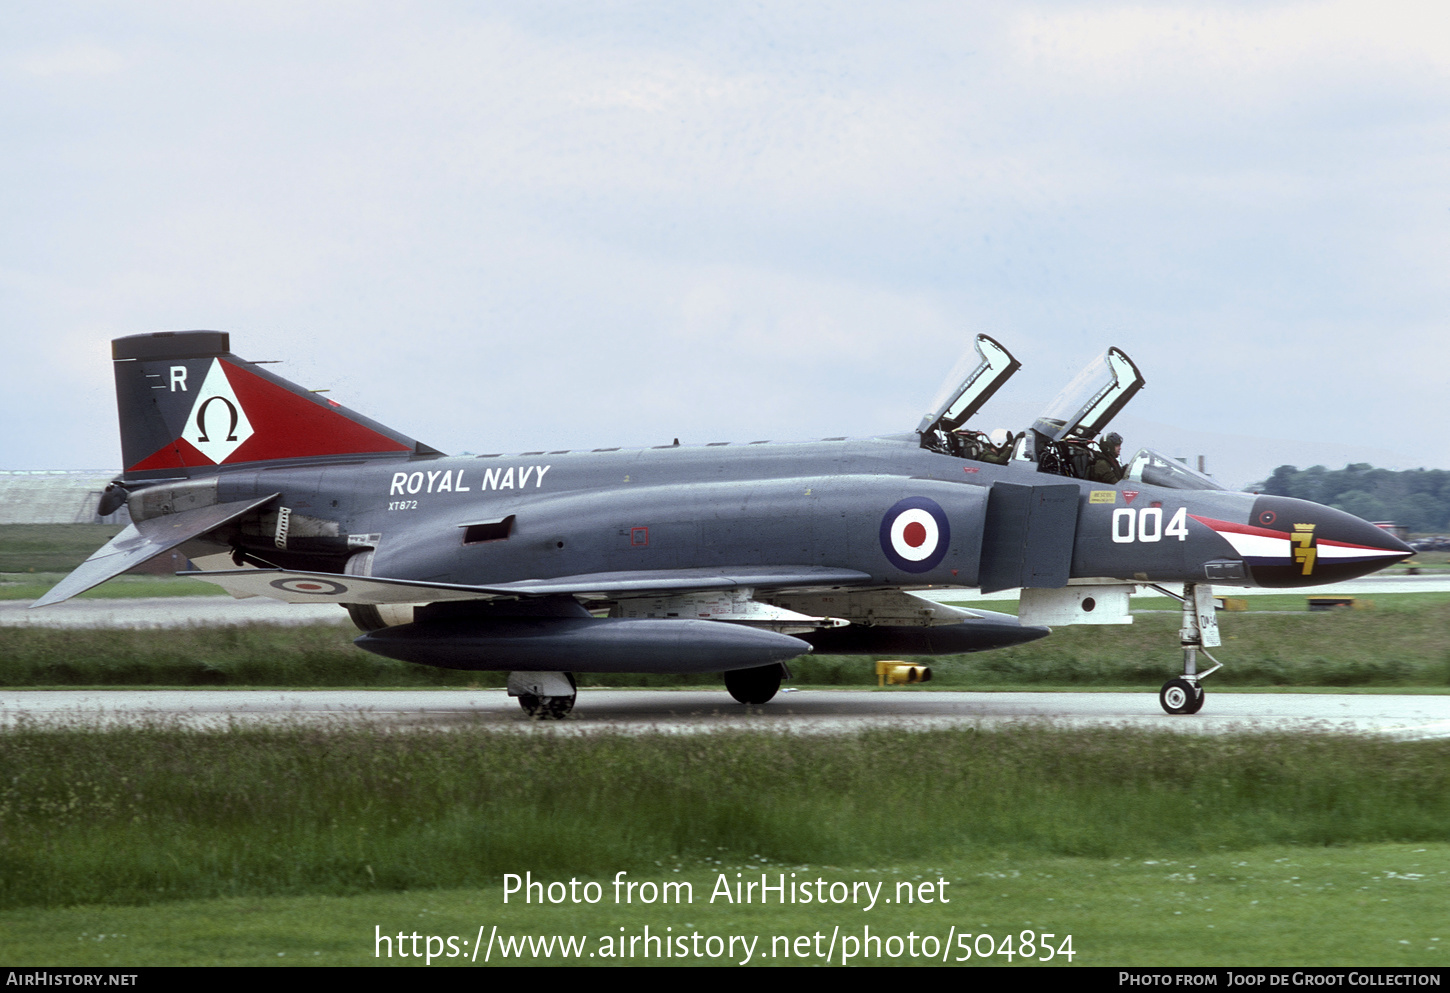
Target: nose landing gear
(1198,633)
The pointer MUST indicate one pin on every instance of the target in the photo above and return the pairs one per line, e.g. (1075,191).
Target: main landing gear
(1198,633)
(757,685)
(548,696)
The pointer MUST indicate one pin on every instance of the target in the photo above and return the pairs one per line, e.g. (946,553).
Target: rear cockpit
(976,377)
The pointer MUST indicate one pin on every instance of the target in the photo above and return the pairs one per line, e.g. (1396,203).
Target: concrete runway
(699,710)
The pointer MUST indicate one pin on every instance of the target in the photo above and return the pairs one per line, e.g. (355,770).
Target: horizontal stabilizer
(326,587)
(145,540)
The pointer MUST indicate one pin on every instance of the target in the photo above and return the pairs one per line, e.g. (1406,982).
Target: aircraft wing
(616,584)
(326,587)
(149,538)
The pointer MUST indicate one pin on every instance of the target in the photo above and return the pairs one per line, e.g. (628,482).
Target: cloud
(78,58)
(487,220)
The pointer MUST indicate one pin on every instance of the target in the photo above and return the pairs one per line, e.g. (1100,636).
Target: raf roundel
(316,587)
(915,535)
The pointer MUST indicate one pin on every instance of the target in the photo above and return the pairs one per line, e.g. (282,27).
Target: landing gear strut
(757,685)
(544,695)
(1198,633)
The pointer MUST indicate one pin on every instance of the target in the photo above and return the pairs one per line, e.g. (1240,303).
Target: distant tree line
(1419,499)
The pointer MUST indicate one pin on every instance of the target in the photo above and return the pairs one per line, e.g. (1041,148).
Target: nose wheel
(1179,696)
(1199,632)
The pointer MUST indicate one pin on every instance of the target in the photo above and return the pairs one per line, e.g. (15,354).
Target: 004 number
(1146,524)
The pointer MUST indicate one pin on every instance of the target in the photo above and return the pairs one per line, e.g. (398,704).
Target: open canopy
(978,374)
(1092,399)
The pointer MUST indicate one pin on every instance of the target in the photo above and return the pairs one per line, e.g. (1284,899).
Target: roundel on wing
(915,535)
(315,587)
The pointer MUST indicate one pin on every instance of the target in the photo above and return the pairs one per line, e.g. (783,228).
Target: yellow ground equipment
(896,672)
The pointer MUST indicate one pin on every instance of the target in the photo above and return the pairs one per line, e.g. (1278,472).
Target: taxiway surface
(700,710)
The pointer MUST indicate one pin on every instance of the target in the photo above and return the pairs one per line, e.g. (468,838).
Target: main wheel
(753,686)
(1179,696)
(549,708)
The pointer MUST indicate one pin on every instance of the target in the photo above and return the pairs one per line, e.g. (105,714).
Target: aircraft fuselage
(482,520)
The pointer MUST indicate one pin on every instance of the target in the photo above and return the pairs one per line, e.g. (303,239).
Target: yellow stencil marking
(1302,541)
(1103,496)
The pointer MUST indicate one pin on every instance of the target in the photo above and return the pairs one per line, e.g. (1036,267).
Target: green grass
(157,814)
(1398,642)
(1358,906)
(1423,562)
(50,547)
(26,586)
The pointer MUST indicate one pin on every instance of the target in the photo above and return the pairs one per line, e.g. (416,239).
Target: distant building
(55,496)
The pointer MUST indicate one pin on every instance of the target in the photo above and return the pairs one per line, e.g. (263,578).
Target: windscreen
(1157,469)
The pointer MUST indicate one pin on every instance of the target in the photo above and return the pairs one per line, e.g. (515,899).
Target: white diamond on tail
(217,425)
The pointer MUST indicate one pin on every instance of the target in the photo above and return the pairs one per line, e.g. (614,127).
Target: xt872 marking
(717,558)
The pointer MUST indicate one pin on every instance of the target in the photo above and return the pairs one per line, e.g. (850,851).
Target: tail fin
(188,406)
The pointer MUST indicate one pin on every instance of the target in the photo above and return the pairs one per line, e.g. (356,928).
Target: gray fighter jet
(716,558)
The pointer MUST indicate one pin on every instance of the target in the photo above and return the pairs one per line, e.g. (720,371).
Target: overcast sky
(545,225)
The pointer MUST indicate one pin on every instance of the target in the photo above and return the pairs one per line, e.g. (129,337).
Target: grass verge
(50,547)
(1277,906)
(26,586)
(156,814)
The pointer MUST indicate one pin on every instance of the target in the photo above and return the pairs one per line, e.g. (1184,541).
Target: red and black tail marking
(189,406)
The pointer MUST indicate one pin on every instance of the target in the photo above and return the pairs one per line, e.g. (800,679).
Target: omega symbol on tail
(201,418)
(915,535)
(217,425)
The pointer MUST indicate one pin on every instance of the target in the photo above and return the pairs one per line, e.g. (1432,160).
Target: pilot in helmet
(999,447)
(1105,467)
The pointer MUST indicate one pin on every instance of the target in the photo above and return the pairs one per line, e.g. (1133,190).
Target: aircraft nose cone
(1308,544)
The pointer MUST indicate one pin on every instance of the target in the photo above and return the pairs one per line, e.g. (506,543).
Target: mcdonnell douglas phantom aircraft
(721,558)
